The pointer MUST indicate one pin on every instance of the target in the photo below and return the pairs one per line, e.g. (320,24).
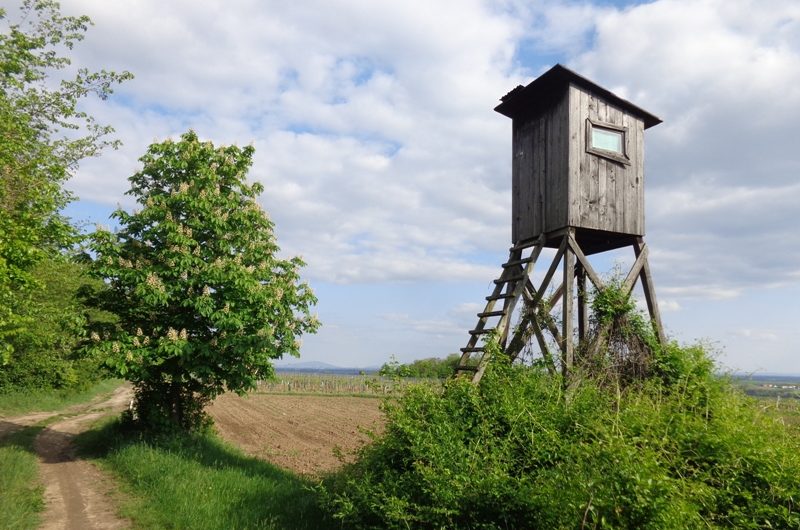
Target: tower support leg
(515,283)
(649,292)
(583,314)
(568,353)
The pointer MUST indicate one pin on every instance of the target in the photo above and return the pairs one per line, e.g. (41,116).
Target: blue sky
(387,170)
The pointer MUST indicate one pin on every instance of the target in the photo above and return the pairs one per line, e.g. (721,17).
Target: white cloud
(381,156)
(373,128)
(434,327)
(712,292)
(466,309)
(721,172)
(667,306)
(757,334)
(375,135)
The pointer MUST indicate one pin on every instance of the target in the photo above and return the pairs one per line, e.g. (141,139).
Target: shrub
(430,367)
(682,450)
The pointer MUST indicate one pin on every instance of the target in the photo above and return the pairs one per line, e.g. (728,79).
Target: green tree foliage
(46,351)
(430,367)
(44,136)
(683,450)
(203,301)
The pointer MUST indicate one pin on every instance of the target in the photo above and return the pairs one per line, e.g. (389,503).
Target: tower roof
(543,91)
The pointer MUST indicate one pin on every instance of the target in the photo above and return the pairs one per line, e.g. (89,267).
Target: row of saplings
(676,446)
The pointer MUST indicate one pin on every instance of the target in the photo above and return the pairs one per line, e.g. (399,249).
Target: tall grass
(21,401)
(199,482)
(20,492)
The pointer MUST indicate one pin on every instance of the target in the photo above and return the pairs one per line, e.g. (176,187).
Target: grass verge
(21,498)
(199,482)
(23,401)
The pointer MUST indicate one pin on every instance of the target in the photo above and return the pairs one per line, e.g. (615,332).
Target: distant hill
(321,367)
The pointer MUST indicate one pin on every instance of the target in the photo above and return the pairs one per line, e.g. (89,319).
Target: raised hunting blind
(577,186)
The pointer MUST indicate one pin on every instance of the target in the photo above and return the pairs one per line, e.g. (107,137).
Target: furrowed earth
(305,434)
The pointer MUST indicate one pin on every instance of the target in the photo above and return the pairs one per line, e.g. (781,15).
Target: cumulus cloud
(721,174)
(375,135)
(372,123)
(757,334)
(382,158)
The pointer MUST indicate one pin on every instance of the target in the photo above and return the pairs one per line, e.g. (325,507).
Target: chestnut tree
(204,302)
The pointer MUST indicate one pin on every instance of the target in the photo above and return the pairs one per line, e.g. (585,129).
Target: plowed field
(300,433)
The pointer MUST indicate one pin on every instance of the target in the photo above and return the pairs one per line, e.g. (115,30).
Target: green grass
(200,482)
(20,492)
(787,409)
(23,401)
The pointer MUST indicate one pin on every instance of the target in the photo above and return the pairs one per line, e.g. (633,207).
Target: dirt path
(304,434)
(300,433)
(76,492)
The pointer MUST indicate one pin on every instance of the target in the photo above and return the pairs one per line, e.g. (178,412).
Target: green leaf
(194,270)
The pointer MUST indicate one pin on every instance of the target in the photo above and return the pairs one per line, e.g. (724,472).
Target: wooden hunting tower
(578,186)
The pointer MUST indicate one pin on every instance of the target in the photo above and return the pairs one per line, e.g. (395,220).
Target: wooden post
(566,334)
(583,316)
(640,248)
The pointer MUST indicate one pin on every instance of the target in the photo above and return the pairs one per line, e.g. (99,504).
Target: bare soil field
(303,434)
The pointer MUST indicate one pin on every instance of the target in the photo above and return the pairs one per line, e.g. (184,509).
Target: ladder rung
(500,297)
(491,314)
(472,350)
(511,279)
(480,331)
(514,262)
(467,368)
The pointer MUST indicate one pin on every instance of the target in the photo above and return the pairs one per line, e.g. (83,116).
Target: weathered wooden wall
(540,199)
(604,194)
(556,183)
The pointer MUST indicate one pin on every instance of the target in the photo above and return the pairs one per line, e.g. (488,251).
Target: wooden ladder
(515,282)
(508,289)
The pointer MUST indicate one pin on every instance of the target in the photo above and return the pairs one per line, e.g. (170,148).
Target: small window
(607,140)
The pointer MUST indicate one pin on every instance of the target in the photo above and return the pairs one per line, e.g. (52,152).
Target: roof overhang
(546,89)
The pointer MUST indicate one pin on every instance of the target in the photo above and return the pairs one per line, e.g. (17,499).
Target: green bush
(432,367)
(47,352)
(684,449)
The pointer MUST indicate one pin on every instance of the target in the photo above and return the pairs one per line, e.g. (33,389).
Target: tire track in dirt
(300,433)
(76,492)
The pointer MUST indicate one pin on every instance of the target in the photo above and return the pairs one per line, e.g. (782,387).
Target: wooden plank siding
(610,194)
(540,194)
(557,183)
